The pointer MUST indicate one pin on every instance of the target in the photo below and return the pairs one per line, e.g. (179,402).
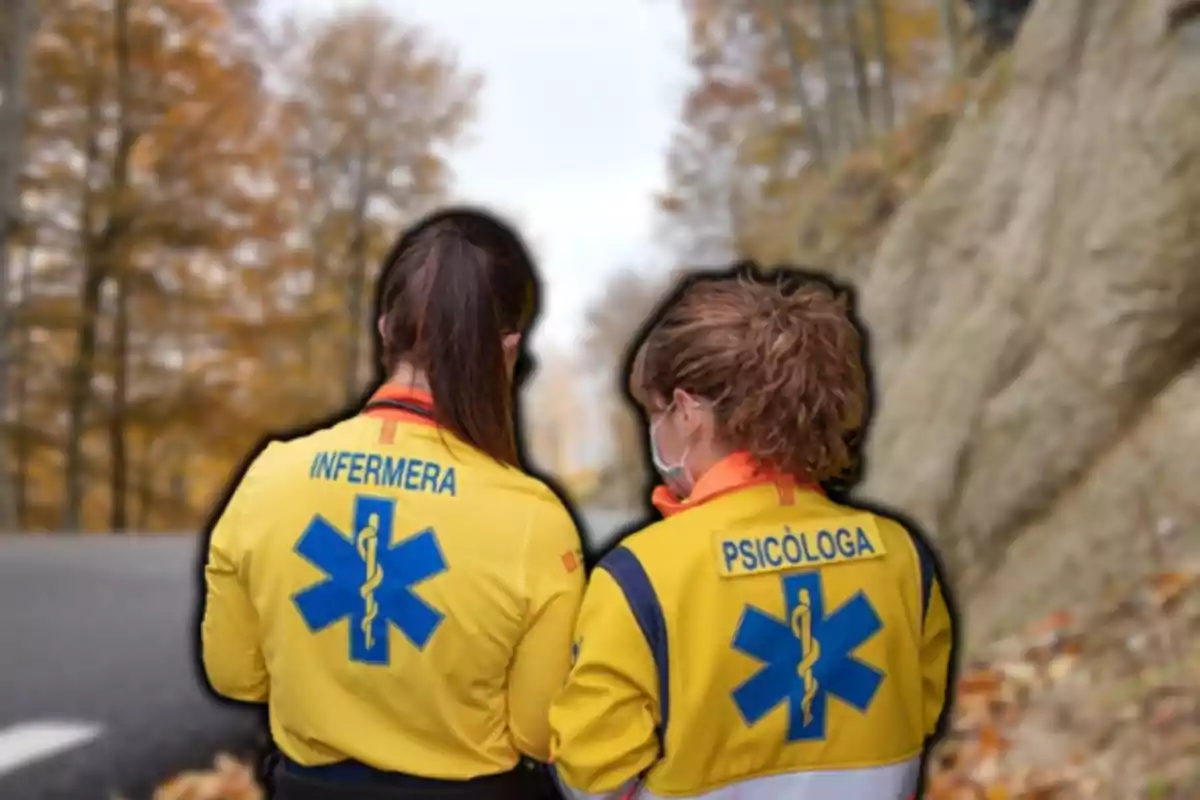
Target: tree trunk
(117,450)
(858,66)
(833,84)
(951,35)
(178,489)
(358,242)
(144,490)
(887,92)
(99,256)
(79,392)
(812,123)
(23,439)
(357,291)
(79,376)
(22,28)
(119,462)
(316,221)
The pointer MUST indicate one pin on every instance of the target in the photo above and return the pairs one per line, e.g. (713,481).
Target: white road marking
(33,741)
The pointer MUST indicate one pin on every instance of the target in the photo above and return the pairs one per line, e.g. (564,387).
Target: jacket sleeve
(937,649)
(554,580)
(603,723)
(229,636)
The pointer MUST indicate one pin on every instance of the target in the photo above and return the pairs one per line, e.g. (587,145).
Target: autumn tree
(708,189)
(179,159)
(886,91)
(374,104)
(145,143)
(783,91)
(612,322)
(951,33)
(553,411)
(18,21)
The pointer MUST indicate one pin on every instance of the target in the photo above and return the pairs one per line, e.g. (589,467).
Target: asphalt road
(98,688)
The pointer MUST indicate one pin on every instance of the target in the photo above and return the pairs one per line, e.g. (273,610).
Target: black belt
(355,772)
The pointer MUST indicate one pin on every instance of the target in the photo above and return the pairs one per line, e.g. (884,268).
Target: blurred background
(195,196)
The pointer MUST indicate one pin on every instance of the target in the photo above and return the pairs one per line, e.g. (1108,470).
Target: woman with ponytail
(395,589)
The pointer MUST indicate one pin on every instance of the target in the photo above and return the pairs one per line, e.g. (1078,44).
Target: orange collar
(415,397)
(732,473)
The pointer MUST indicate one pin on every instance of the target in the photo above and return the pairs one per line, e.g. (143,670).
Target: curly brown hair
(779,357)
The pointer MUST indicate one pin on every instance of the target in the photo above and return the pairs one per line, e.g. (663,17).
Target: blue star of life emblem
(807,657)
(369,580)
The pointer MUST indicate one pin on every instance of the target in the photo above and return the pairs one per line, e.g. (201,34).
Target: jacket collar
(733,473)
(420,400)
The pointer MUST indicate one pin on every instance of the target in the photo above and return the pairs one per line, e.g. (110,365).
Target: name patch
(373,469)
(815,544)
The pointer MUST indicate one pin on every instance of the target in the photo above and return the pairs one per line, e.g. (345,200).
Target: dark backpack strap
(928,572)
(631,576)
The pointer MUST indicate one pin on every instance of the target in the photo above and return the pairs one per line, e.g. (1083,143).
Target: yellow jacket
(760,642)
(395,596)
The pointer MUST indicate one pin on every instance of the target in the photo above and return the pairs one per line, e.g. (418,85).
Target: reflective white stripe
(578,794)
(891,782)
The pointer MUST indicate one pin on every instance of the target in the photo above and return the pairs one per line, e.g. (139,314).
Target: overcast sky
(579,102)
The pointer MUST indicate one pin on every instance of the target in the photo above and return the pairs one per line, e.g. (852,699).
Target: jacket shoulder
(651,544)
(907,545)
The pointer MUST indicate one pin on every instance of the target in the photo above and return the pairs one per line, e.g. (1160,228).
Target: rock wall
(1035,310)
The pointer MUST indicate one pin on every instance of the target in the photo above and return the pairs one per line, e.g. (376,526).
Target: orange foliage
(1043,719)
(228,780)
(746,142)
(215,194)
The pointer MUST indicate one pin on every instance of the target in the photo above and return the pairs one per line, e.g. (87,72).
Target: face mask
(675,476)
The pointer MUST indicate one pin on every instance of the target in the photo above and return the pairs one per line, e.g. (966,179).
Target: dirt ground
(1101,707)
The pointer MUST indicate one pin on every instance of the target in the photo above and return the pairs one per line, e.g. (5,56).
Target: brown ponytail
(452,287)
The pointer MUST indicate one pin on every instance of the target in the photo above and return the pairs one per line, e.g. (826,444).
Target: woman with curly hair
(762,640)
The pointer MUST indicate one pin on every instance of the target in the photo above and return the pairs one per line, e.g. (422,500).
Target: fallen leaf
(230,779)
(1168,587)
(1053,623)
(980,682)
(1060,666)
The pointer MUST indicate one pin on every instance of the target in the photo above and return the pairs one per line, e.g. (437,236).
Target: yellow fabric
(712,567)
(604,723)
(477,694)
(937,647)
